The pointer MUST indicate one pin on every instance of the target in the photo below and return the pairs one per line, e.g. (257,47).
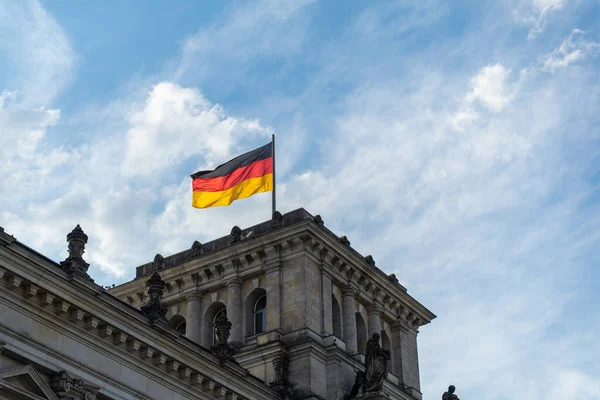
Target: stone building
(283,309)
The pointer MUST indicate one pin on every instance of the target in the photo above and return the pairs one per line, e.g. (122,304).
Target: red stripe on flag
(253,170)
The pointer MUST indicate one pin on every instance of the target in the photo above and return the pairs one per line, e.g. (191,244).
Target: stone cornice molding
(343,264)
(88,313)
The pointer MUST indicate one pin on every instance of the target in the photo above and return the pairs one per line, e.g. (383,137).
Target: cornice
(95,315)
(343,264)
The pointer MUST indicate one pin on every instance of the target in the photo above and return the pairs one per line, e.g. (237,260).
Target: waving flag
(239,178)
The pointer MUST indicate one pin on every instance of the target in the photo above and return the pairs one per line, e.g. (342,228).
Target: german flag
(239,178)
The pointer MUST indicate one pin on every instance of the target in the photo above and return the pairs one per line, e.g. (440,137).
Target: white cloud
(489,87)
(265,28)
(573,49)
(177,123)
(481,224)
(100,187)
(535,13)
(489,91)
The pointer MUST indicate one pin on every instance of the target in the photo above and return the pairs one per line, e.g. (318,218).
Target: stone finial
(74,264)
(281,383)
(318,220)
(158,262)
(154,309)
(196,248)
(276,220)
(67,388)
(222,350)
(345,241)
(369,259)
(393,278)
(235,235)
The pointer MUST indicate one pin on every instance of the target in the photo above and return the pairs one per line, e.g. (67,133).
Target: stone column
(234,309)
(374,323)
(348,312)
(406,358)
(193,323)
(326,311)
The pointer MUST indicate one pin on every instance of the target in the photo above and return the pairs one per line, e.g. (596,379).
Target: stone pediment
(25,383)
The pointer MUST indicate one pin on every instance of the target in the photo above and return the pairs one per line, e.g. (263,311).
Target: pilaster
(234,309)
(374,322)
(194,317)
(348,311)
(273,284)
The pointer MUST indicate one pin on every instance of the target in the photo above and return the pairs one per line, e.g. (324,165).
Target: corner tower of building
(302,305)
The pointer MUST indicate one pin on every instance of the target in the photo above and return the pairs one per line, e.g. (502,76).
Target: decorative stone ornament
(276,220)
(74,264)
(345,241)
(369,259)
(222,350)
(155,310)
(235,235)
(281,383)
(318,220)
(67,388)
(158,262)
(196,248)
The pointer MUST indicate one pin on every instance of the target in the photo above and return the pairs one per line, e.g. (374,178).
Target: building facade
(297,302)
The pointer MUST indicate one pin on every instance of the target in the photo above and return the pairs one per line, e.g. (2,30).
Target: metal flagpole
(274,192)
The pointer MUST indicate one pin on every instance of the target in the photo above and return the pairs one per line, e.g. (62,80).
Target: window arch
(361,334)
(208,332)
(337,317)
(260,314)
(178,322)
(255,310)
(386,344)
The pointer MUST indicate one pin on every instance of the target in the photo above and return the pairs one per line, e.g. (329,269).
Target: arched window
(386,344)
(337,317)
(260,315)
(361,334)
(214,331)
(255,312)
(178,322)
(208,331)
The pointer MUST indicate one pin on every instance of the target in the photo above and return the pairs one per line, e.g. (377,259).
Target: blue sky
(458,143)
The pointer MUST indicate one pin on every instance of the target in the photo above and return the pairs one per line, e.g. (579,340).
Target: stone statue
(449,395)
(222,349)
(375,364)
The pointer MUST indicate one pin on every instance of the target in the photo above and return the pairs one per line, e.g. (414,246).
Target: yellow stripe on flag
(240,191)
